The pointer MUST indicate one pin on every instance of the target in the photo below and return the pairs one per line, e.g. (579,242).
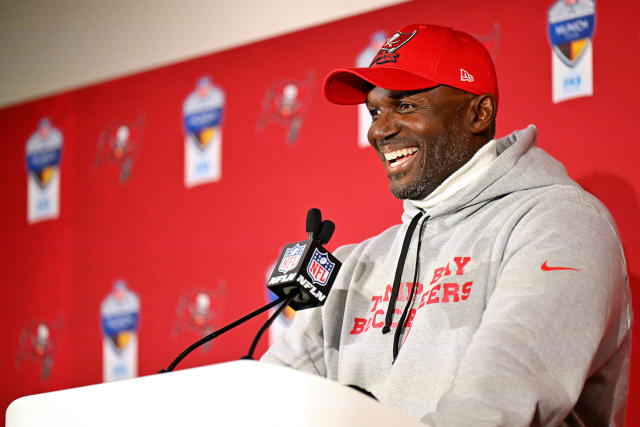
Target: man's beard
(456,153)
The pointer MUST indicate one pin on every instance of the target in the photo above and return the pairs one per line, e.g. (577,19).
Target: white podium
(243,393)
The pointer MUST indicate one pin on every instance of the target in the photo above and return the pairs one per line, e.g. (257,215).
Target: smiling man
(502,298)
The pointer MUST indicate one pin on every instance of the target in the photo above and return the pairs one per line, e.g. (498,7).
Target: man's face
(420,136)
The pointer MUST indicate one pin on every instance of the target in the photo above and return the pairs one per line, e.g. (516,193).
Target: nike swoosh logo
(545,267)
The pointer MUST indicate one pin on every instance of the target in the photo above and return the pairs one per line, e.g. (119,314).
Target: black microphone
(314,222)
(326,231)
(306,266)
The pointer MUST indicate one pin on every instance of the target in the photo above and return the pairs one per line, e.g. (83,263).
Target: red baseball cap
(418,57)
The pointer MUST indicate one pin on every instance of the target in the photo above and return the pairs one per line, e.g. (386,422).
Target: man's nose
(383,127)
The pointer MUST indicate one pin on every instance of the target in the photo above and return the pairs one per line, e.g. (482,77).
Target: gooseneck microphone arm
(269,321)
(221,331)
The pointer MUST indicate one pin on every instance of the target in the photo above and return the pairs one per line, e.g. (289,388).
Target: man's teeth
(399,153)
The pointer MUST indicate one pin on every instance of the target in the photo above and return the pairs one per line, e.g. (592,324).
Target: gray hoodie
(520,313)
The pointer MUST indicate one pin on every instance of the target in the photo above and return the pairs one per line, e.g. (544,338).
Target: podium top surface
(241,393)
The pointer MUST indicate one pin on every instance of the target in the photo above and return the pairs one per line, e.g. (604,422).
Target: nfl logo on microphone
(291,258)
(320,267)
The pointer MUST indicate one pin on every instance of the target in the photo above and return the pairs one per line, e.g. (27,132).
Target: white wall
(47,46)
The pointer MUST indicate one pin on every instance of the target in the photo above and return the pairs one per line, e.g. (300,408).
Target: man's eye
(374,113)
(404,106)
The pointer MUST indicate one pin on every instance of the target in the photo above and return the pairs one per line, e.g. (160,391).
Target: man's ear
(484,113)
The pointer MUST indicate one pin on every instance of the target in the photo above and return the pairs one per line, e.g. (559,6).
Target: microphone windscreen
(314,220)
(326,231)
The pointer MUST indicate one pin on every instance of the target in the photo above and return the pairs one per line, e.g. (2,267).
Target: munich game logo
(200,312)
(119,145)
(320,267)
(38,343)
(43,152)
(202,114)
(571,25)
(291,258)
(120,314)
(286,102)
(388,50)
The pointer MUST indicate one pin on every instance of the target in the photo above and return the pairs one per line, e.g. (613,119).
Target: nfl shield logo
(320,267)
(291,258)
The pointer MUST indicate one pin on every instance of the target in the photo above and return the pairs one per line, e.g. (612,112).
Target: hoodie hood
(510,172)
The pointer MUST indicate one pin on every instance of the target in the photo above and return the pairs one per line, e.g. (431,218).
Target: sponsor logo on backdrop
(120,313)
(286,102)
(38,344)
(119,145)
(571,24)
(320,267)
(282,322)
(200,312)
(202,114)
(363,60)
(43,152)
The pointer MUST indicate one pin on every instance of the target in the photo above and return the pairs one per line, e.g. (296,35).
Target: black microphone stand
(221,331)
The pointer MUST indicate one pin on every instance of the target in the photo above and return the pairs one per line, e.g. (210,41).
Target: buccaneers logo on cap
(388,51)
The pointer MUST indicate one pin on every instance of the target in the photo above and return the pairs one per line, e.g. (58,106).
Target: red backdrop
(166,240)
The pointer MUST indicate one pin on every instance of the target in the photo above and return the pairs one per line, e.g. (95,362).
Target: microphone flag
(306,266)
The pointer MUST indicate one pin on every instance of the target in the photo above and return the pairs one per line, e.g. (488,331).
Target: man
(502,299)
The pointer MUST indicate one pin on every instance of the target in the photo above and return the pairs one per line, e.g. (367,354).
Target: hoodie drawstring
(400,328)
(396,280)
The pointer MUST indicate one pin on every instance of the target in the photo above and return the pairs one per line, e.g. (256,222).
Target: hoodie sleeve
(557,322)
(301,345)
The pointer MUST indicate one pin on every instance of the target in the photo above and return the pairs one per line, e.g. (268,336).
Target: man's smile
(399,158)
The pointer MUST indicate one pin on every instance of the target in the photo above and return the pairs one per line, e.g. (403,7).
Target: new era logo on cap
(465,76)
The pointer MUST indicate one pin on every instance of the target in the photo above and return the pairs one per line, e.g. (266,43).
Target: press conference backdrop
(141,213)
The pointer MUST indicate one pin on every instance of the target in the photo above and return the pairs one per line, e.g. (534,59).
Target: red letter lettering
(376,299)
(358,325)
(378,324)
(450,289)
(466,290)
(437,274)
(412,314)
(460,263)
(433,298)
(447,271)
(387,292)
(423,300)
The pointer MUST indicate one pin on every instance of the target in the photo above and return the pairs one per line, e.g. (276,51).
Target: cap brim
(351,85)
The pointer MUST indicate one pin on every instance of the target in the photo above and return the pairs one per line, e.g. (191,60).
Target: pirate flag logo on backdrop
(119,144)
(203,111)
(491,40)
(571,24)
(43,154)
(200,311)
(38,343)
(286,102)
(376,41)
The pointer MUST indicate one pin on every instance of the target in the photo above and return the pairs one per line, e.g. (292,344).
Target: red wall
(167,240)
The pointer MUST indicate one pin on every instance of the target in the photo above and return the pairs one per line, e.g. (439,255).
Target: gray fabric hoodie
(521,314)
